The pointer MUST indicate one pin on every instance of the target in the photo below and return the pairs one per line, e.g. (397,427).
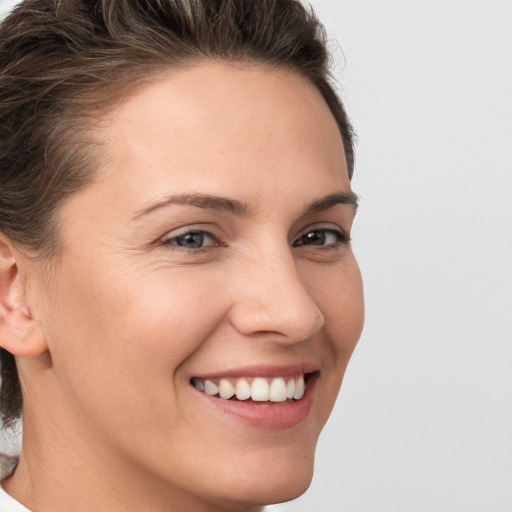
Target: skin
(108,340)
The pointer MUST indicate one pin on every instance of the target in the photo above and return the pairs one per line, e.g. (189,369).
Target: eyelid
(210,231)
(342,239)
(186,230)
(323,226)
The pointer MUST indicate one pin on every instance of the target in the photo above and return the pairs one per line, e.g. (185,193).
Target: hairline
(92,119)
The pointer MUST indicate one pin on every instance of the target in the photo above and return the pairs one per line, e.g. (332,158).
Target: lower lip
(269,417)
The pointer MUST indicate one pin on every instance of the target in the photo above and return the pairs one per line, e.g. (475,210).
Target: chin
(276,479)
(290,488)
(272,491)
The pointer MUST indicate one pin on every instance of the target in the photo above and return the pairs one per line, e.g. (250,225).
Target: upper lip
(269,371)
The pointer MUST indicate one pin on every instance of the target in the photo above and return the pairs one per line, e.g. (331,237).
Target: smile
(280,389)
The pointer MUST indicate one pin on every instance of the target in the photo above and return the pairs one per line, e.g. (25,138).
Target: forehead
(244,125)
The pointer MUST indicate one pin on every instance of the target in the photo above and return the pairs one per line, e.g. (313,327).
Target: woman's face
(211,252)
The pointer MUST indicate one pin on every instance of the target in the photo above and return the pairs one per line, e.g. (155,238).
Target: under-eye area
(275,390)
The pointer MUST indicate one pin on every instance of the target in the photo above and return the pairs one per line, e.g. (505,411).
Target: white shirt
(9,504)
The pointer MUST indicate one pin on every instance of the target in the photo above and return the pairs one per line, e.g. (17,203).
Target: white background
(424,421)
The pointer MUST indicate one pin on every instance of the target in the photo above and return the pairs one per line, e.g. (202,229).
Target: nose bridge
(273,299)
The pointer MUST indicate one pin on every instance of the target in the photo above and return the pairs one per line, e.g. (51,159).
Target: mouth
(257,390)
(261,397)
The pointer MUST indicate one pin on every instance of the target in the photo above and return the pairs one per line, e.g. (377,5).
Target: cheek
(338,292)
(144,324)
(341,301)
(119,342)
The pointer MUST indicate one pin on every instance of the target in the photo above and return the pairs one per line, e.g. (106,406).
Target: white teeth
(260,390)
(290,389)
(210,388)
(243,389)
(277,390)
(226,389)
(299,388)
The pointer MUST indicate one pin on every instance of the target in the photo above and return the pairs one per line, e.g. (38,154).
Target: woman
(178,295)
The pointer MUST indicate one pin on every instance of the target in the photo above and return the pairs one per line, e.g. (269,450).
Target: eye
(192,240)
(322,237)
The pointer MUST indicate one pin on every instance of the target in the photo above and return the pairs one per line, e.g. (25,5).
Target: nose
(273,300)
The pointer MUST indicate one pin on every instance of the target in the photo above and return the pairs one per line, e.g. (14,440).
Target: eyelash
(340,239)
(205,234)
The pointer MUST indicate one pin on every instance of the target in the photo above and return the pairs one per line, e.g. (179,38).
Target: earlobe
(20,333)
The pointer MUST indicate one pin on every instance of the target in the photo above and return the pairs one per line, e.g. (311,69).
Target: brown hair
(63,61)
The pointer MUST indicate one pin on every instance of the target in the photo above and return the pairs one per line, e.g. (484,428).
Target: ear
(20,333)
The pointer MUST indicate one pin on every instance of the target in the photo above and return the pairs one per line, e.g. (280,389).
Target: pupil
(314,238)
(191,240)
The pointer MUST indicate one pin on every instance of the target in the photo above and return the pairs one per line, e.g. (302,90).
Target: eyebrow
(224,204)
(348,198)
